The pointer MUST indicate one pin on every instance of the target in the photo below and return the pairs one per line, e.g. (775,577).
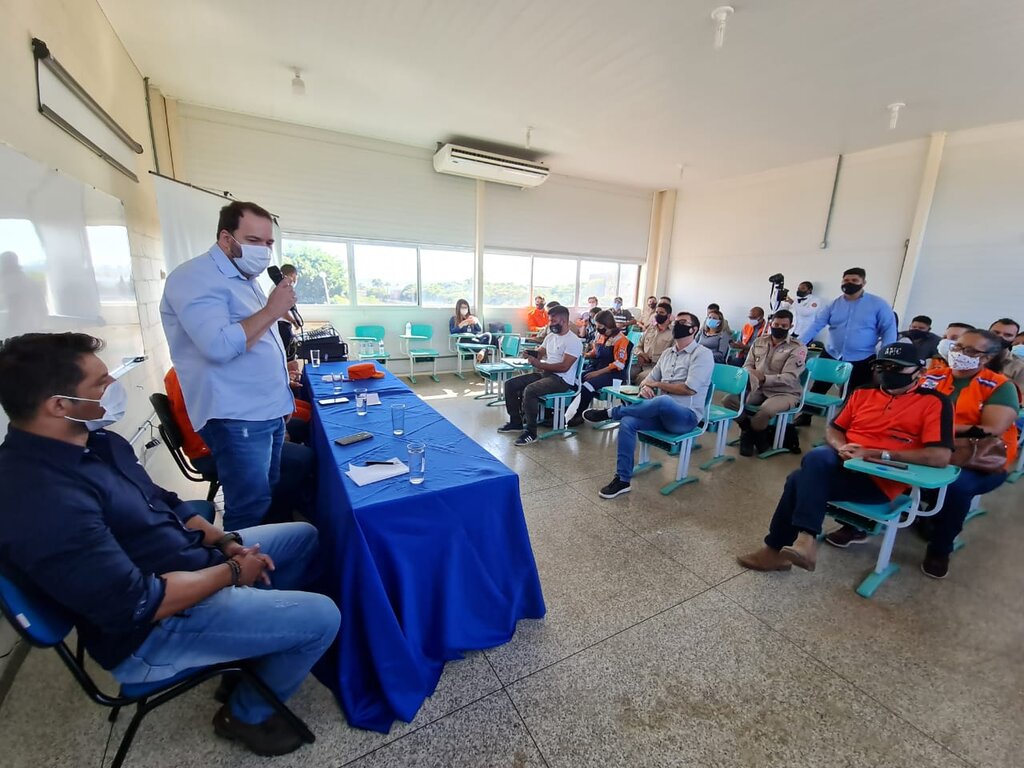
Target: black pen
(372,463)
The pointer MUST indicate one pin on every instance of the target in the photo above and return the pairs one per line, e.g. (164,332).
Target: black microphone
(274,273)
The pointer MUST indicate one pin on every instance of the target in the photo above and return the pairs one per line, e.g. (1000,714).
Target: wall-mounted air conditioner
(478,164)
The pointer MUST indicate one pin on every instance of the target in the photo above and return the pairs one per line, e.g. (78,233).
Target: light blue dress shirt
(204,302)
(855,328)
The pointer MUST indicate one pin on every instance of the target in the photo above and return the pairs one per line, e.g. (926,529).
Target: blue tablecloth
(421,573)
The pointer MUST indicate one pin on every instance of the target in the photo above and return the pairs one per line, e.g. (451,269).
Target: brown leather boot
(765,559)
(804,551)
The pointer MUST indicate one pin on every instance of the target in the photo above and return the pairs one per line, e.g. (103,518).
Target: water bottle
(380,347)
(408,329)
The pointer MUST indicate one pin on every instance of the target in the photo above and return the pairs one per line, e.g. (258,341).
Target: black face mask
(780,333)
(602,331)
(682,330)
(891,380)
(661,319)
(1006,344)
(555,327)
(916,334)
(801,294)
(850,288)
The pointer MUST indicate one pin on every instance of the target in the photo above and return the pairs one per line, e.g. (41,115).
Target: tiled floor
(657,650)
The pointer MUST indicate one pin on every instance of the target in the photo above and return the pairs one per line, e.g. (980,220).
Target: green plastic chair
(1019,469)
(887,518)
(674,445)
(781,421)
(496,373)
(421,333)
(558,402)
(372,336)
(834,372)
(729,380)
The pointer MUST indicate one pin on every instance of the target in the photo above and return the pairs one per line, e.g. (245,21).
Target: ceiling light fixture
(721,16)
(894,114)
(298,84)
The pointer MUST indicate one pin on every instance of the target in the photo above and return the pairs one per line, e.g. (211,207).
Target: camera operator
(804,307)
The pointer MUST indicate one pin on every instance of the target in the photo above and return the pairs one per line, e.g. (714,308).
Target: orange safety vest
(970,401)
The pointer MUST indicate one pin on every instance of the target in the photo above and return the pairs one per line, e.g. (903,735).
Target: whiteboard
(65,260)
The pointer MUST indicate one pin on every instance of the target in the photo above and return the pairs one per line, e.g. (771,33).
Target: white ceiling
(616,90)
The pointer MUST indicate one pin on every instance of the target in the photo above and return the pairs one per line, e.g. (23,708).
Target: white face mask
(944,345)
(958,361)
(463,311)
(254,258)
(114,402)
(1017,351)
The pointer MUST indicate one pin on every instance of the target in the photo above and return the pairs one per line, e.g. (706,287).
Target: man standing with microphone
(224,343)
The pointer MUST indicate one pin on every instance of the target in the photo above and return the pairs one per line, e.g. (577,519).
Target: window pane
(629,280)
(446,277)
(385,274)
(555,280)
(322,267)
(506,280)
(599,278)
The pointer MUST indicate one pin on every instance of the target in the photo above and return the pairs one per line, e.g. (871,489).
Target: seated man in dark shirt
(154,589)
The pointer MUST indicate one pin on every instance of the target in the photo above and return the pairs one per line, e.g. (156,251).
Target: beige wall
(81,39)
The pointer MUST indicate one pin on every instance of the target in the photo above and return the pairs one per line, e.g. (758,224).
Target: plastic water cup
(360,402)
(616,385)
(417,462)
(314,357)
(336,387)
(398,419)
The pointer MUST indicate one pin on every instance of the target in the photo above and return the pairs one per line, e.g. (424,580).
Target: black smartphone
(887,463)
(531,353)
(333,400)
(358,437)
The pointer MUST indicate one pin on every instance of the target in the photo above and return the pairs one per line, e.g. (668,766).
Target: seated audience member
(656,339)
(585,315)
(610,366)
(897,420)
(537,318)
(589,331)
(623,317)
(543,332)
(464,321)
(673,393)
(712,336)
(555,371)
(985,403)
(292,493)
(649,311)
(145,579)
(726,330)
(953,332)
(754,327)
(920,334)
(775,364)
(804,307)
(1012,366)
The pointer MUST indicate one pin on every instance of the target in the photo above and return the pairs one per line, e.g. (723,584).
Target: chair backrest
(832,371)
(508,327)
(169,429)
(39,620)
(634,336)
(578,379)
(730,379)
(510,345)
(423,329)
(370,331)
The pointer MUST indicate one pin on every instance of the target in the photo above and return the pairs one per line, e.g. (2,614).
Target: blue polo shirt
(89,529)
(855,328)
(204,303)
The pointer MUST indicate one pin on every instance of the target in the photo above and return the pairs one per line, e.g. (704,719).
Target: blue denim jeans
(660,413)
(286,631)
(248,457)
(950,520)
(820,479)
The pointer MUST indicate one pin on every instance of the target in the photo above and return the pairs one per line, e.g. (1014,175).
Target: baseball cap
(364,371)
(900,352)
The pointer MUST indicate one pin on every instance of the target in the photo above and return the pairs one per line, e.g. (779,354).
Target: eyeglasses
(888,366)
(969,351)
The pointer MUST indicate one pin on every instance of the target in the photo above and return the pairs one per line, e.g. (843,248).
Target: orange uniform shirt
(536,319)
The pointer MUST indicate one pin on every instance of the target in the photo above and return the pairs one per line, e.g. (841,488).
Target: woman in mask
(713,336)
(464,321)
(985,404)
(609,364)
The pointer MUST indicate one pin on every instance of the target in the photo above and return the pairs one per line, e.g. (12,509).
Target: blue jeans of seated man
(285,631)
(820,479)
(248,457)
(660,413)
(950,520)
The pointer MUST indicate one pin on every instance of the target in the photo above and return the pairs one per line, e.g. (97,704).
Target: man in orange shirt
(537,318)
(754,327)
(896,420)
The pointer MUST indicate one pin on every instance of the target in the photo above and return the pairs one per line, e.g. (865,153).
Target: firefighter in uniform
(775,364)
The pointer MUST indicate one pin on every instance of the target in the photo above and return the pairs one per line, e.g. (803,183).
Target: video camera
(778,292)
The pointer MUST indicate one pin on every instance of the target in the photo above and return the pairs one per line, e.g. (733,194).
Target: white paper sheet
(376,472)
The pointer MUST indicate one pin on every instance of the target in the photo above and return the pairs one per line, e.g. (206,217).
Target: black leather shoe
(746,443)
(228,682)
(274,736)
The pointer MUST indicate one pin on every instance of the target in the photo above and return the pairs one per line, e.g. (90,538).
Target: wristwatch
(886,456)
(227,538)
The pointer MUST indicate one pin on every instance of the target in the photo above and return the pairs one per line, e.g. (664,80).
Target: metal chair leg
(129,735)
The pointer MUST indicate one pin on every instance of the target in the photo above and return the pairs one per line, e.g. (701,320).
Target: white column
(478,253)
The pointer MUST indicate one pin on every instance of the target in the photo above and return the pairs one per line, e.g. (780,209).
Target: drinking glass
(417,462)
(360,402)
(314,357)
(398,419)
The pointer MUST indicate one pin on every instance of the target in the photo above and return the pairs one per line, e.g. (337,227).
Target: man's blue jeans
(248,457)
(286,631)
(820,479)
(660,413)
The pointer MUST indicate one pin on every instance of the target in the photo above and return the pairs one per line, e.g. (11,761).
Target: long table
(421,573)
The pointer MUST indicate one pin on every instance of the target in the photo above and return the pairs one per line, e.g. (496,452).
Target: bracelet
(227,538)
(236,571)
